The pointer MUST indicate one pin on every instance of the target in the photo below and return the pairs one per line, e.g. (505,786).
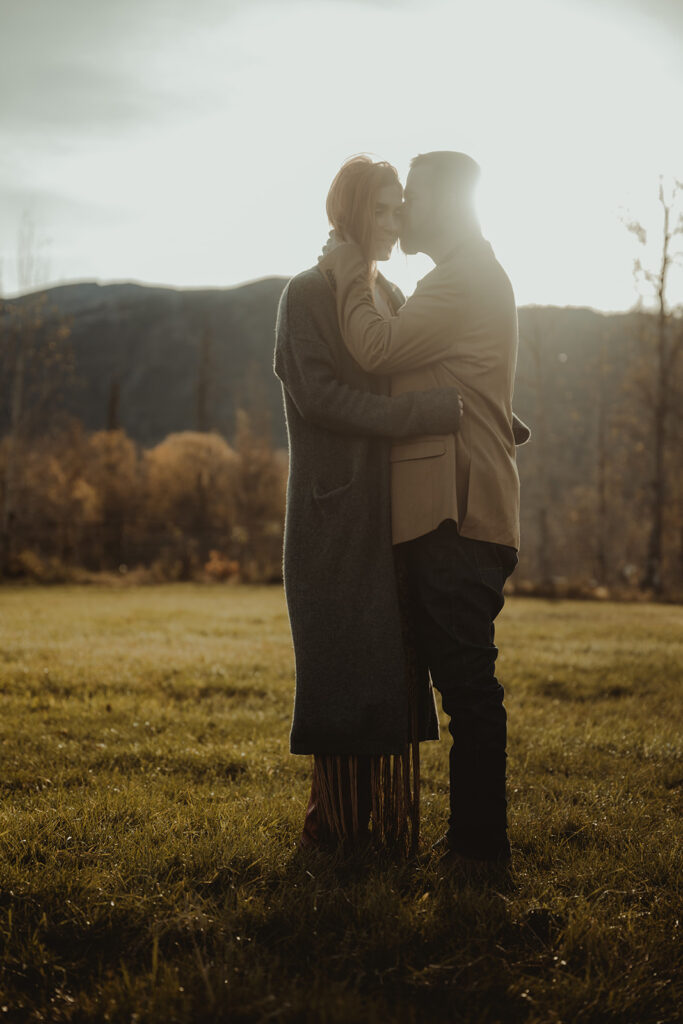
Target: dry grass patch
(150,811)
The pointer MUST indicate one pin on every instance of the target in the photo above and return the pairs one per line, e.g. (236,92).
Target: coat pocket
(417,450)
(324,494)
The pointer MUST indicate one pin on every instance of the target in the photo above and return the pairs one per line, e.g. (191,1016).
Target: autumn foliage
(191,507)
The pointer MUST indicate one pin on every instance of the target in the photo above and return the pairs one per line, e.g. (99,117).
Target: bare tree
(35,360)
(533,341)
(204,377)
(113,402)
(261,482)
(665,351)
(601,465)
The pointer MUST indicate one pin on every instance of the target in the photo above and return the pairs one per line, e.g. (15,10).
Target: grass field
(150,812)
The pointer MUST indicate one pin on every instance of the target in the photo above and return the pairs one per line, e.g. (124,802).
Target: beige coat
(458,329)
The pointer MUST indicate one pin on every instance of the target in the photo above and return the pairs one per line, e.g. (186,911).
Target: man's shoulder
(475,265)
(436,275)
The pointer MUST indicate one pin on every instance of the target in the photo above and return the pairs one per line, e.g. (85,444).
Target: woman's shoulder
(307,299)
(307,285)
(307,303)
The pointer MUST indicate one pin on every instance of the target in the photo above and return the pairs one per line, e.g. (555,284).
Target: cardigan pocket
(323,495)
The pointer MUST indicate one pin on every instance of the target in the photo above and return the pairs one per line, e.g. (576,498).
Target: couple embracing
(402,521)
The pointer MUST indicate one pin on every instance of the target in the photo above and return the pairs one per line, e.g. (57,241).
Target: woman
(360,705)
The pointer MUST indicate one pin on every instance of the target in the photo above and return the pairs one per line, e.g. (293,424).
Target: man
(455,497)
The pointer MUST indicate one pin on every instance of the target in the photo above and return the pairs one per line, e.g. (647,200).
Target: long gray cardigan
(340,581)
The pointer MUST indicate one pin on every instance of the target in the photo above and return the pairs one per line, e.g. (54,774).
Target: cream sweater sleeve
(421,332)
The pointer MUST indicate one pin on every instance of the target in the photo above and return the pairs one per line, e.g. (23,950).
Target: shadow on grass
(285,936)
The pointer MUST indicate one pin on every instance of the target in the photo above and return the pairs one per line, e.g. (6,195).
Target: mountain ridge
(156,360)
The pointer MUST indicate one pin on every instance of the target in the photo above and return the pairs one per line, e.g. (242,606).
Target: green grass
(150,811)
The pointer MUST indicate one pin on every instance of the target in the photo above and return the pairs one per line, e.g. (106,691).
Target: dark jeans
(455,587)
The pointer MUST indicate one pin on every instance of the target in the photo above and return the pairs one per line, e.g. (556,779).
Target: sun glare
(566,107)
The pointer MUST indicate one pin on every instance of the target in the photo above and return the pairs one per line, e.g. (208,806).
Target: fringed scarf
(384,789)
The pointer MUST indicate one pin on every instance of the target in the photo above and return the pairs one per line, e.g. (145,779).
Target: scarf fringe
(392,796)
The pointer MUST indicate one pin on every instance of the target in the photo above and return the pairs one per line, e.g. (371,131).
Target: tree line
(602,479)
(191,507)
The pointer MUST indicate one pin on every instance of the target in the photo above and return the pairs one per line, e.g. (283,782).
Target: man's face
(417,212)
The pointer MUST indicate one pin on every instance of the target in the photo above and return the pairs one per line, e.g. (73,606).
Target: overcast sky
(193,144)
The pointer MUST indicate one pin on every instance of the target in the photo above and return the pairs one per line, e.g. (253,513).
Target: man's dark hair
(454,173)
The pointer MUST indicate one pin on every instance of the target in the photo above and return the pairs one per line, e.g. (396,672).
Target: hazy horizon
(149,142)
(103,283)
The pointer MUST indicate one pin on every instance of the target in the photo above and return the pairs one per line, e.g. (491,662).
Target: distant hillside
(145,356)
(155,361)
(158,360)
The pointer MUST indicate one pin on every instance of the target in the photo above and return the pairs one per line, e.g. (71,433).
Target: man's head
(438,201)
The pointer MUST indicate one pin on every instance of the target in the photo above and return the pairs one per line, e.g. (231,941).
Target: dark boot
(478,821)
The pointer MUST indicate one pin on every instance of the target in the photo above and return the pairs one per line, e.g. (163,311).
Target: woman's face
(386,221)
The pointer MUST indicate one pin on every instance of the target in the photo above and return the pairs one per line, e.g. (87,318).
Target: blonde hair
(351,200)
